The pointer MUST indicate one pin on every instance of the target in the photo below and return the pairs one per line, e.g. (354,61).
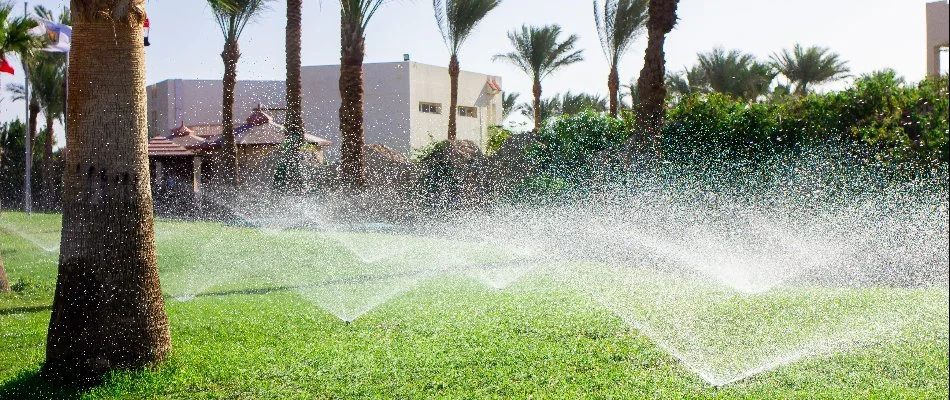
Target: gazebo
(175,165)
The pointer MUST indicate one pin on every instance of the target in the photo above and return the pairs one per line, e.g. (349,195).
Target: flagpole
(27,189)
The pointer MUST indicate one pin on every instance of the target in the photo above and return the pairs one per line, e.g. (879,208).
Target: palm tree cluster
(47,79)
(569,103)
(742,76)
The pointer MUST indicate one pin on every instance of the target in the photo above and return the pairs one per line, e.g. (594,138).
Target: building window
(430,108)
(468,112)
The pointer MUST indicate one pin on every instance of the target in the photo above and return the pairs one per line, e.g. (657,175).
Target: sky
(869,34)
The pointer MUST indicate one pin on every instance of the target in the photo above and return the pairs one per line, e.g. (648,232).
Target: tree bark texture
(454,70)
(108,311)
(536,91)
(4,282)
(613,86)
(652,109)
(48,193)
(352,49)
(34,117)
(289,175)
(229,165)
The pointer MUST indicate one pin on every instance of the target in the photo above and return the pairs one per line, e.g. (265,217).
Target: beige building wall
(938,34)
(431,85)
(385,113)
(199,102)
(392,116)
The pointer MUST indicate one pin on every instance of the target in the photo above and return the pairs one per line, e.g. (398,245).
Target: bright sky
(870,34)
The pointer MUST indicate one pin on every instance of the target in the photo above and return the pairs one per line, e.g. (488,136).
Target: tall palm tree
(539,53)
(354,18)
(457,20)
(19,94)
(108,311)
(4,281)
(15,37)
(618,24)
(810,66)
(232,17)
(735,73)
(49,86)
(288,178)
(652,109)
(47,78)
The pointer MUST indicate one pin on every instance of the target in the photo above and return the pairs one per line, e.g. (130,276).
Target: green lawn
(256,314)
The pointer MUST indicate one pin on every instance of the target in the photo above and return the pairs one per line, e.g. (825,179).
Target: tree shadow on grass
(29,385)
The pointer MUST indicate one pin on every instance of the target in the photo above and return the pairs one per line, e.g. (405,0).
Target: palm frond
(538,52)
(457,19)
(619,23)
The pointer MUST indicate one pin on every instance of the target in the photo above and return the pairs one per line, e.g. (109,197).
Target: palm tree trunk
(108,311)
(652,111)
(536,90)
(352,51)
(229,168)
(49,184)
(4,282)
(613,86)
(454,70)
(34,116)
(288,177)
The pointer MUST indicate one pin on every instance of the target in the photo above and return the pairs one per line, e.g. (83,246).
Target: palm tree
(288,177)
(687,82)
(569,103)
(4,281)
(735,73)
(354,18)
(47,78)
(15,38)
(19,94)
(108,311)
(509,101)
(618,24)
(539,53)
(809,66)
(634,92)
(652,108)
(15,34)
(232,16)
(457,20)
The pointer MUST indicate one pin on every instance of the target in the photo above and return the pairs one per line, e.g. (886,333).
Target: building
(406,104)
(938,34)
(181,160)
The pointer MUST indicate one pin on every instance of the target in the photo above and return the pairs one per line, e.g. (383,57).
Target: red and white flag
(5,66)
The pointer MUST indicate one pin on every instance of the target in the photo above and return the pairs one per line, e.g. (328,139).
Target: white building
(938,34)
(406,104)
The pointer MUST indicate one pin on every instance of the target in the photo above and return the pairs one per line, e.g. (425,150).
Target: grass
(450,336)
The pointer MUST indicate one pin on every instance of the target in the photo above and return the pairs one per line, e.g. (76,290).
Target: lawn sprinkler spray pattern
(733,271)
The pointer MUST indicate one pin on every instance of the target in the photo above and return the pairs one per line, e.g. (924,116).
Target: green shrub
(496,138)
(897,122)
(567,143)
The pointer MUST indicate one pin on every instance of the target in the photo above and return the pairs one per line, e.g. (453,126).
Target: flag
(58,36)
(5,66)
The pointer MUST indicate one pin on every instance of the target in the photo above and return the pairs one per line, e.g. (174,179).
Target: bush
(496,138)
(897,122)
(567,143)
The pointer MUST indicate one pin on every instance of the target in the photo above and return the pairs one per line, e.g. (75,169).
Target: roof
(260,129)
(166,147)
(493,84)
